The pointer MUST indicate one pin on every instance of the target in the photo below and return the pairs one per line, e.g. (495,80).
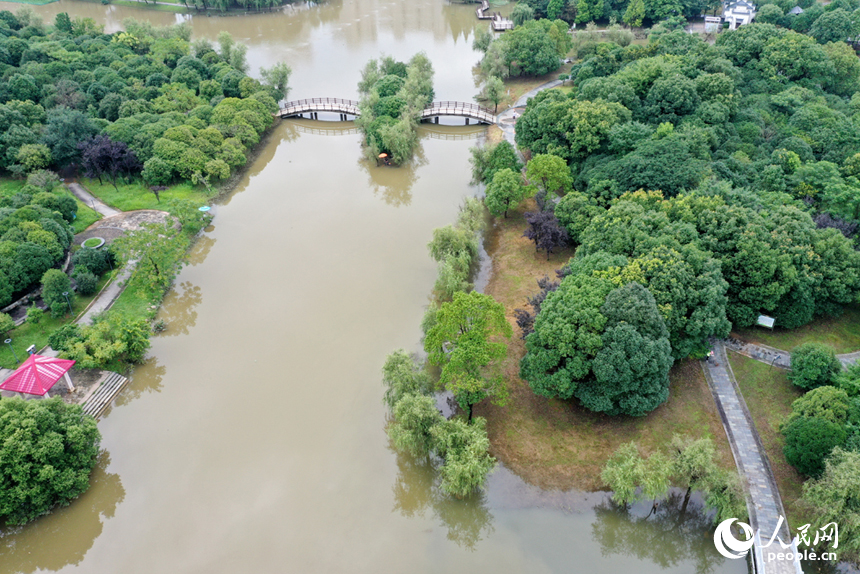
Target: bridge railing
(312,102)
(458,106)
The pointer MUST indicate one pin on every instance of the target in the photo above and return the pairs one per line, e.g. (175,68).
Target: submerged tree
(464,343)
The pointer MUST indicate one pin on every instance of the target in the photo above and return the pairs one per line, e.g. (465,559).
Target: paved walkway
(763,500)
(778,357)
(507,119)
(92,201)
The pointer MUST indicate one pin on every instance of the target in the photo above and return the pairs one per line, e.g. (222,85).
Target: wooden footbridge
(500,24)
(346,108)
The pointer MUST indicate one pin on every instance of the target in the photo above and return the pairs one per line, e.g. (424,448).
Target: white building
(738,12)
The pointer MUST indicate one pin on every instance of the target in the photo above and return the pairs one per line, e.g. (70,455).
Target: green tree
(626,471)
(522,13)
(415,416)
(6,324)
(47,451)
(464,343)
(567,336)
(504,192)
(635,13)
(401,377)
(465,450)
(631,369)
(828,403)
(808,441)
(549,173)
(64,129)
(278,79)
(157,250)
(575,211)
(813,365)
(34,156)
(833,498)
(111,338)
(494,91)
(54,284)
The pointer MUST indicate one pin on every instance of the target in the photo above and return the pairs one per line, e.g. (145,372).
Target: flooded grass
(768,395)
(557,444)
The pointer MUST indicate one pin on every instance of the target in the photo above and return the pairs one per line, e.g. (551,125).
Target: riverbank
(557,444)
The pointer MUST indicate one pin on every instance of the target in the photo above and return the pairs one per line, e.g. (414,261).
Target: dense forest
(701,184)
(141,103)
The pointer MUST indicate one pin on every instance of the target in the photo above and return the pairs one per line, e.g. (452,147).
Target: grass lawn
(135,195)
(29,334)
(769,395)
(842,333)
(136,302)
(557,444)
(86,216)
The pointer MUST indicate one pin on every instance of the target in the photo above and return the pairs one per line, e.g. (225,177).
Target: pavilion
(38,374)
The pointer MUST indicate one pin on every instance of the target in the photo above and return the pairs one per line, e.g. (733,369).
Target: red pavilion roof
(37,375)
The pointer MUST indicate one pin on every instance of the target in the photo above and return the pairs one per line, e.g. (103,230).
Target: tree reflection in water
(146,379)
(394,184)
(666,536)
(65,536)
(179,309)
(416,491)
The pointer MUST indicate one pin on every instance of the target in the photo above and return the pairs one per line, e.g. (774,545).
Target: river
(253,440)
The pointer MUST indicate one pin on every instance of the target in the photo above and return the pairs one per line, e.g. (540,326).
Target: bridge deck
(350,107)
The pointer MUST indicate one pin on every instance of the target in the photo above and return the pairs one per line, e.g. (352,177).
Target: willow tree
(465,343)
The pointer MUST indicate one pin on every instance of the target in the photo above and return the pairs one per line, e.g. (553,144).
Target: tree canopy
(47,451)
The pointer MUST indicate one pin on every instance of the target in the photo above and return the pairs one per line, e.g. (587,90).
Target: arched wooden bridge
(347,108)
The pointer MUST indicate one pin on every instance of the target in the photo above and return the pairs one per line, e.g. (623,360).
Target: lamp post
(9,342)
(775,359)
(66,295)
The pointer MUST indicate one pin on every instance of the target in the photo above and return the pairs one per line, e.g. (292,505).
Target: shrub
(95,260)
(813,365)
(60,339)
(6,324)
(48,449)
(808,441)
(34,315)
(87,282)
(59,309)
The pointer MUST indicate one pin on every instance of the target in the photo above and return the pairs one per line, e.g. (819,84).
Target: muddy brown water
(252,439)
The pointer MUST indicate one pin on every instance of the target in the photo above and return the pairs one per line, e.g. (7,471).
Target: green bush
(87,282)
(60,339)
(809,440)
(97,261)
(35,314)
(54,284)
(6,324)
(47,449)
(59,309)
(813,365)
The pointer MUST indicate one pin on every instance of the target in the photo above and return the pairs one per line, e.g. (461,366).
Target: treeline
(225,5)
(35,233)
(145,101)
(464,333)
(393,95)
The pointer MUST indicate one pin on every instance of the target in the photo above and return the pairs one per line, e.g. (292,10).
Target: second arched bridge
(347,108)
